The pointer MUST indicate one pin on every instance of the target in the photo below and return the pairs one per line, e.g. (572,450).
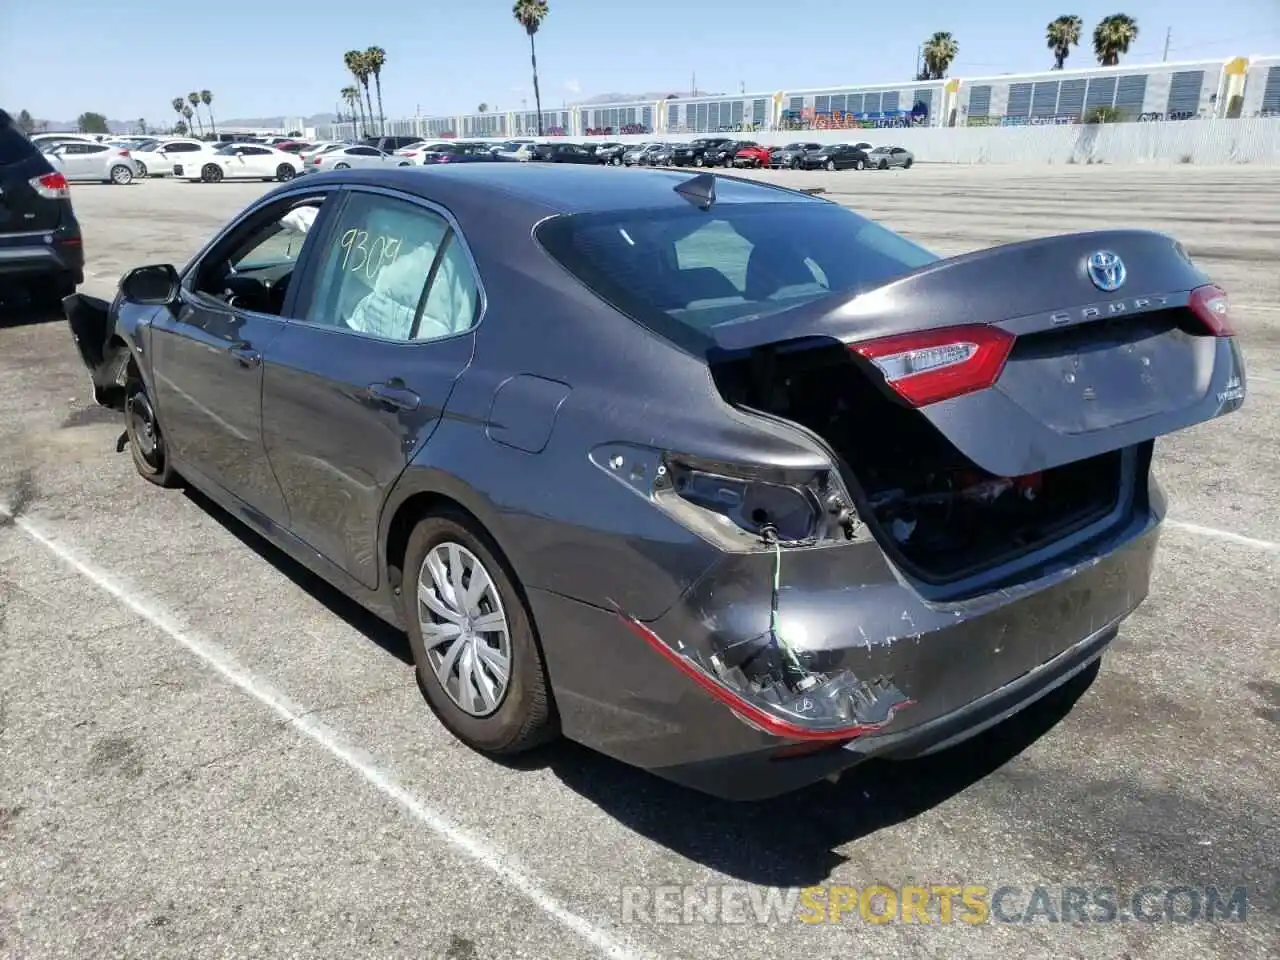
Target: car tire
(211,173)
(404,163)
(342,166)
(120,175)
(616,161)
(795,164)
(906,164)
(699,162)
(523,714)
(830,164)
(146,440)
(859,164)
(884,165)
(285,173)
(142,171)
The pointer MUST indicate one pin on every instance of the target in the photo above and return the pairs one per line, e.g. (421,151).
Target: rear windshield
(683,271)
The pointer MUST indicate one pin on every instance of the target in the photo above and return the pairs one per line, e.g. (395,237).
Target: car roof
(565,188)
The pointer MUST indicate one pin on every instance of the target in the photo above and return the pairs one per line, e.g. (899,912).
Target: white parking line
(492,859)
(1215,534)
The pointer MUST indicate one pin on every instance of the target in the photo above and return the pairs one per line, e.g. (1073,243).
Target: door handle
(245,354)
(394,395)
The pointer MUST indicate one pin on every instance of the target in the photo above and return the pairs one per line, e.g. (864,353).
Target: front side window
(252,266)
(395,270)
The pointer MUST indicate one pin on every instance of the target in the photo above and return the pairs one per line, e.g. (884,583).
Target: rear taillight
(124,153)
(933,365)
(317,160)
(1209,304)
(52,186)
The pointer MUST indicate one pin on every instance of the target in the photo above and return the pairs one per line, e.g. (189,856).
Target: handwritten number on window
(360,255)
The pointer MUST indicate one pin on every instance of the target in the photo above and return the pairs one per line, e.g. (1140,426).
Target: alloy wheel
(464,628)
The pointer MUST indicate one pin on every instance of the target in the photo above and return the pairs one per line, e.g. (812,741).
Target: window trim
(453,233)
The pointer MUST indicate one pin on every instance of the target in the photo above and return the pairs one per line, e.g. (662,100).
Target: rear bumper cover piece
(964,666)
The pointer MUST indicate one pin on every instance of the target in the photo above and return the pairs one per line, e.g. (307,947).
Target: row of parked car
(726,152)
(122,160)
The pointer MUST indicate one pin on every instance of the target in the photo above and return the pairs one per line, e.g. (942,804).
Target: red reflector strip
(931,365)
(1209,304)
(748,711)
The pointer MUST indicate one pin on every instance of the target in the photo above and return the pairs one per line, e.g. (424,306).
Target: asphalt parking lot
(206,753)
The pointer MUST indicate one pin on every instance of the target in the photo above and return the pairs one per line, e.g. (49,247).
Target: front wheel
(285,173)
(121,175)
(884,165)
(859,165)
(831,164)
(474,646)
(616,161)
(142,171)
(906,164)
(698,161)
(211,173)
(795,164)
(146,441)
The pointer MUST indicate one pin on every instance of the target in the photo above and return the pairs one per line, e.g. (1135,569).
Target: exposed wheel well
(406,518)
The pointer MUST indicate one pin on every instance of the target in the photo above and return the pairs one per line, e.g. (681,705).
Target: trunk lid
(1090,369)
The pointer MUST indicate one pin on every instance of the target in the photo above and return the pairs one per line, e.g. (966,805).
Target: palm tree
(939,52)
(142,126)
(483,108)
(1062,34)
(351,96)
(187,113)
(178,103)
(206,97)
(1112,37)
(193,98)
(530,14)
(356,62)
(180,128)
(375,58)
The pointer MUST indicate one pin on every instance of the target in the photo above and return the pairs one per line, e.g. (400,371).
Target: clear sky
(129,58)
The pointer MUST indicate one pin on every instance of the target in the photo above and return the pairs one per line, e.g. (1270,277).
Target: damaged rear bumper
(962,666)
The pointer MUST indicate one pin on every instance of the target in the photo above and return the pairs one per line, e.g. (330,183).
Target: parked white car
(344,158)
(157,159)
(238,161)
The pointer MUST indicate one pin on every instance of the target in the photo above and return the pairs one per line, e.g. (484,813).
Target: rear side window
(700,269)
(395,270)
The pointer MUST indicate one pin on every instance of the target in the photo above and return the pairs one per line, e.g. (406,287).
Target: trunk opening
(935,512)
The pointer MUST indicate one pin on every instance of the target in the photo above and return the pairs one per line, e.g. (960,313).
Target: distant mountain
(315,120)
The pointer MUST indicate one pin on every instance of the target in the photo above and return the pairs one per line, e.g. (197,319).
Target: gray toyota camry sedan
(721,479)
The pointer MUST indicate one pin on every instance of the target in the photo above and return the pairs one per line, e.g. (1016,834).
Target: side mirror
(151,286)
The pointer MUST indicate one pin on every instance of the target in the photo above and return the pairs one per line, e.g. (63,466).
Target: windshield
(738,260)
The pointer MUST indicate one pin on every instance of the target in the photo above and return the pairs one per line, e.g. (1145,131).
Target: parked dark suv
(390,144)
(39,236)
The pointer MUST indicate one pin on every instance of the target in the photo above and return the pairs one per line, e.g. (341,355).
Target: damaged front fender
(105,346)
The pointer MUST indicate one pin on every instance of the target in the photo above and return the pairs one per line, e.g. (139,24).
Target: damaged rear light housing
(802,706)
(927,366)
(741,506)
(1209,304)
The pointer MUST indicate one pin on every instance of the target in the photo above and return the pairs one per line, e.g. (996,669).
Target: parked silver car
(344,158)
(882,158)
(83,161)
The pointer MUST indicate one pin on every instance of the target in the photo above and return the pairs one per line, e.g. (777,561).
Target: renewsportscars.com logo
(970,904)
